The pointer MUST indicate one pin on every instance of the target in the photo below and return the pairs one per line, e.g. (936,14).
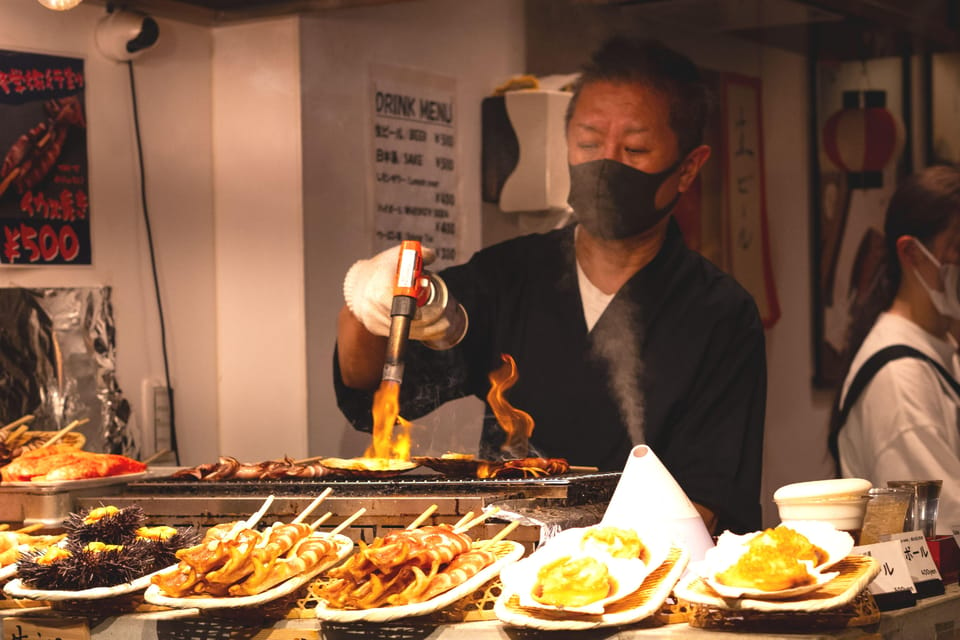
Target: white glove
(368,292)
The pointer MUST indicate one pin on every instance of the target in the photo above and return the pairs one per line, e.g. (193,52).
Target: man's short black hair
(649,62)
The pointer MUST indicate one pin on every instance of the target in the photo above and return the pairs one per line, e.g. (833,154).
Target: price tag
(45,629)
(288,634)
(894,573)
(917,554)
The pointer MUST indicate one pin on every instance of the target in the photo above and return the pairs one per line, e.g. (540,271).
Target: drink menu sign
(44,206)
(413,158)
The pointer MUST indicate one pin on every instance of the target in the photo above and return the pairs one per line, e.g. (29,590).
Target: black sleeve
(716,446)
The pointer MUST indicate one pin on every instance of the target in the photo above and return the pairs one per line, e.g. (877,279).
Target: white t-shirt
(594,300)
(904,426)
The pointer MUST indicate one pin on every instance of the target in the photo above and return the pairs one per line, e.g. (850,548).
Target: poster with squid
(860,138)
(44,204)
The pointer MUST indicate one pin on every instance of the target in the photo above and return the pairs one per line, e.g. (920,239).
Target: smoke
(615,342)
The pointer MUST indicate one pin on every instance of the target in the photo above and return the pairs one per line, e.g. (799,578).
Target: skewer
(10,178)
(156,456)
(583,469)
(503,533)
(59,434)
(252,521)
(465,518)
(15,434)
(4,526)
(313,505)
(16,423)
(309,460)
(319,521)
(346,523)
(480,518)
(422,517)
(30,528)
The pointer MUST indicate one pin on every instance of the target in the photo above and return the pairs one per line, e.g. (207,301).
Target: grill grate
(576,488)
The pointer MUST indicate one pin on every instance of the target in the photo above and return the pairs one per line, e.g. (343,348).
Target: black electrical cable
(153,265)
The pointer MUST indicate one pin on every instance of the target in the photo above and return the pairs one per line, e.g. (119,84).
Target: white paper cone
(648,498)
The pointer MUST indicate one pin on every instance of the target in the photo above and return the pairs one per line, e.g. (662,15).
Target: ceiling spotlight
(59,5)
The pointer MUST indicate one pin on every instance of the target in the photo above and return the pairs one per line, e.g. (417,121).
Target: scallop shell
(627,574)
(836,544)
(521,578)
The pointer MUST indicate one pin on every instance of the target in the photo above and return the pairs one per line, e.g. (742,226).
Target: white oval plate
(507,552)
(8,571)
(154,595)
(17,589)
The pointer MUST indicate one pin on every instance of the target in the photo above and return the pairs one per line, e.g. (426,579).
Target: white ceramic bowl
(845,514)
(841,502)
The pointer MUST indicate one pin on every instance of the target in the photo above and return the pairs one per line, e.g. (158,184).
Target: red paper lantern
(862,140)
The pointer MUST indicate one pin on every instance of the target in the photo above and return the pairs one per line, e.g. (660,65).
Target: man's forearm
(359,353)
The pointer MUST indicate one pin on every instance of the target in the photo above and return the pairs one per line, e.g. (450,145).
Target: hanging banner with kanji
(44,207)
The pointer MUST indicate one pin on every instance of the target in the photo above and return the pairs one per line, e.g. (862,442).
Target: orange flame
(386,414)
(518,424)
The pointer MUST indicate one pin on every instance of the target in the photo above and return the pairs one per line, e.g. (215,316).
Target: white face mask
(947,302)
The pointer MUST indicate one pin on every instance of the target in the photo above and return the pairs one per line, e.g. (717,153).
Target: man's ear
(690,167)
(907,250)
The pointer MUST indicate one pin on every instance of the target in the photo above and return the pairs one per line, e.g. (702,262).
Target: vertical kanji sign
(44,205)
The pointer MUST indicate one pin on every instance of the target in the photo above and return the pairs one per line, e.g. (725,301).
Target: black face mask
(615,201)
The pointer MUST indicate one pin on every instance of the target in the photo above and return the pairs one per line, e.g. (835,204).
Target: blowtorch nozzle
(408,294)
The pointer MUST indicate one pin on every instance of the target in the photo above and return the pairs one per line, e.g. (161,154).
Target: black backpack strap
(863,377)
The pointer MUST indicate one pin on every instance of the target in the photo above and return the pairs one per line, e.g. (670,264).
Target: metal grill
(390,503)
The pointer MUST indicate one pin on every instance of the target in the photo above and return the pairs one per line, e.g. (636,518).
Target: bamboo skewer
(309,460)
(313,505)
(503,533)
(252,521)
(59,434)
(11,439)
(465,518)
(30,528)
(16,423)
(422,517)
(346,523)
(156,456)
(463,528)
(319,521)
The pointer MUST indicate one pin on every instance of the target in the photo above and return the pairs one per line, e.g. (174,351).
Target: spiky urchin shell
(83,569)
(37,575)
(162,553)
(112,529)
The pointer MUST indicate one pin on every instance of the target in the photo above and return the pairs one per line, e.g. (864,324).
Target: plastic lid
(837,488)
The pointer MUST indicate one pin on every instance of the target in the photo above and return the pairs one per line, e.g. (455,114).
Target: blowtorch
(418,290)
(409,292)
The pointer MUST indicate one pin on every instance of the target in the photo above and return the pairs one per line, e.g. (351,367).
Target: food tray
(855,573)
(507,551)
(82,483)
(863,610)
(642,603)
(154,595)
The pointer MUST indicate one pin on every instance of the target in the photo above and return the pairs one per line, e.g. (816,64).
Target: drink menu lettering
(413,135)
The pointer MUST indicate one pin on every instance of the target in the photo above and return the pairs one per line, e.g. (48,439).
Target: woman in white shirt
(899,420)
